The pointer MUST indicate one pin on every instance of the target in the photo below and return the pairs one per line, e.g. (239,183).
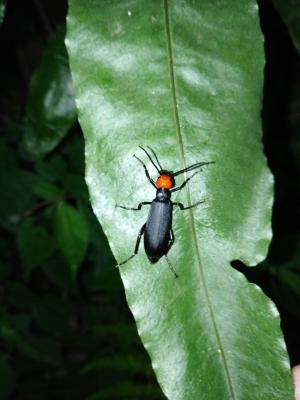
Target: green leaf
(291,279)
(72,234)
(7,379)
(35,245)
(8,159)
(289,11)
(54,169)
(16,196)
(126,365)
(128,391)
(286,287)
(2,10)
(75,186)
(186,78)
(50,110)
(47,190)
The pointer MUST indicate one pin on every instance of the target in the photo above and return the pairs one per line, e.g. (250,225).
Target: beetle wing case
(157,231)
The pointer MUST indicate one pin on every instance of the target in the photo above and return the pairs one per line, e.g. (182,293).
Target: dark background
(67,337)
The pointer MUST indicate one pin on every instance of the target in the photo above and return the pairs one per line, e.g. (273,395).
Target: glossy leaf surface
(184,77)
(289,11)
(50,110)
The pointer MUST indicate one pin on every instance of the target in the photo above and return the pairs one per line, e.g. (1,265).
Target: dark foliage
(65,330)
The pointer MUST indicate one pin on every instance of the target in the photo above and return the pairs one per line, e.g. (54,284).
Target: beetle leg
(138,208)
(146,172)
(182,207)
(136,249)
(171,267)
(172,239)
(184,183)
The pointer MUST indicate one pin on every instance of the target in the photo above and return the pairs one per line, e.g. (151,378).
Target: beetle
(157,231)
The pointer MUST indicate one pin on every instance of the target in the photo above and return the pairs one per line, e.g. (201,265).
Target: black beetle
(157,231)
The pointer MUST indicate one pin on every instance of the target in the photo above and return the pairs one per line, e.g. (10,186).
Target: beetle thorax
(163,195)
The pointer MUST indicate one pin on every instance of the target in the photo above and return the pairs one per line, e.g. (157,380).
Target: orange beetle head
(165,180)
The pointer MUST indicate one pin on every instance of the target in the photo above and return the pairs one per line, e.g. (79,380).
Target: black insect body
(158,236)
(157,231)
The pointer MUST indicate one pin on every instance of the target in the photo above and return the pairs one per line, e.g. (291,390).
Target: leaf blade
(2,10)
(290,13)
(193,323)
(35,245)
(50,110)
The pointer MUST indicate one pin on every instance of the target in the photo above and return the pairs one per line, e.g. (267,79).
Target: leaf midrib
(191,214)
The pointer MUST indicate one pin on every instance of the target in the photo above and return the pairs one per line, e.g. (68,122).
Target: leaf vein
(191,214)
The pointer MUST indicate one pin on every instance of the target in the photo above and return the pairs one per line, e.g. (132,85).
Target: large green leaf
(289,11)
(186,78)
(50,110)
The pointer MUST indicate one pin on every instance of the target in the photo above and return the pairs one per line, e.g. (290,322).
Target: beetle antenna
(155,156)
(150,159)
(193,166)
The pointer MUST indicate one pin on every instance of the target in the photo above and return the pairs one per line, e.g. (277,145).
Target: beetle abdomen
(157,231)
